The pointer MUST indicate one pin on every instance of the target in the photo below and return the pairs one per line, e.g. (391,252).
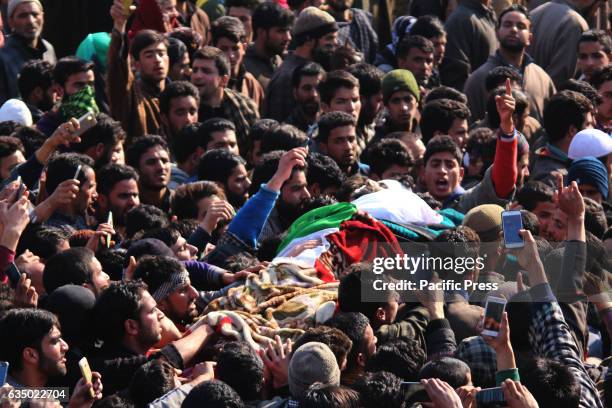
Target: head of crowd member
(243,10)
(228,35)
(594,52)
(215,394)
(552,383)
(117,192)
(26,19)
(172,238)
(43,241)
(144,217)
(151,381)
(178,59)
(330,396)
(565,114)
(103,142)
(338,342)
(169,285)
(35,84)
(451,370)
(357,327)
(239,366)
(11,155)
(259,130)
(219,133)
(77,266)
(445,92)
(311,363)
(537,197)
(432,28)
(228,171)
(592,142)
(480,152)
(591,176)
(401,98)
(514,29)
(380,388)
(370,91)
(403,357)
(337,139)
(416,54)
(127,315)
(294,192)
(445,117)
(149,52)
(192,200)
(306,80)
(63,167)
(149,156)
(283,137)
(389,159)
(71,74)
(210,72)
(31,342)
(324,176)
(178,105)
(415,146)
(602,82)
(340,93)
(499,75)
(521,108)
(442,171)
(271,28)
(315,35)
(583,88)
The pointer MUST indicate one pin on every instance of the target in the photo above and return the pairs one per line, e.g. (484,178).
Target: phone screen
(512,222)
(13,274)
(3,372)
(490,397)
(493,316)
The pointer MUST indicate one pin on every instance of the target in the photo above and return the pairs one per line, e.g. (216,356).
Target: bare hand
(276,359)
(104,232)
(505,105)
(82,397)
(203,372)
(467,394)
(502,341)
(298,249)
(441,394)
(16,216)
(120,15)
(25,294)
(569,200)
(218,210)
(64,134)
(9,192)
(517,395)
(65,193)
(292,158)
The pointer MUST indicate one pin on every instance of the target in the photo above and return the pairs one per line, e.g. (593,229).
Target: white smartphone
(512,223)
(494,309)
(86,122)
(77,172)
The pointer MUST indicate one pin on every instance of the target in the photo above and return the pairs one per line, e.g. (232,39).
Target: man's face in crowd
(149,318)
(153,63)
(9,162)
(27,20)
(419,62)
(545,210)
(345,100)
(523,170)
(459,131)
(277,39)
(237,187)
(514,32)
(294,194)
(234,51)
(604,109)
(557,228)
(205,77)
(340,5)
(181,71)
(442,175)
(180,305)
(591,58)
(307,94)
(117,155)
(324,49)
(243,14)
(369,343)
(52,354)
(223,139)
(183,111)
(439,49)
(371,107)
(342,146)
(78,81)
(121,199)
(395,172)
(589,190)
(87,193)
(184,251)
(154,167)
(402,107)
(99,279)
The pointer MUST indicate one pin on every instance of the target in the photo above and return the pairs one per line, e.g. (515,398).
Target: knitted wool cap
(399,80)
(486,220)
(314,22)
(589,170)
(312,362)
(14,3)
(590,142)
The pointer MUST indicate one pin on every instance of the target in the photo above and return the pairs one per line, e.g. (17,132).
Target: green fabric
(450,219)
(80,103)
(511,374)
(213,8)
(329,216)
(95,44)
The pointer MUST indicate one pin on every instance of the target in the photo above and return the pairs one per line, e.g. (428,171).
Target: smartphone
(109,221)
(13,274)
(86,372)
(77,172)
(4,365)
(494,310)
(126,6)
(512,222)
(86,122)
(490,397)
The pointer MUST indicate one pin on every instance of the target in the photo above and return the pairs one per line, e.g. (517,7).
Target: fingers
(508,87)
(526,235)
(279,346)
(520,285)
(559,183)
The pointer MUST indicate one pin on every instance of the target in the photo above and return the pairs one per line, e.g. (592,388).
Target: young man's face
(345,100)
(604,109)
(27,20)
(181,71)
(78,81)
(557,228)
(237,188)
(589,190)
(223,139)
(117,155)
(233,50)
(591,58)
(523,170)
(52,356)
(180,305)
(459,131)
(371,107)
(154,167)
(277,40)
(295,191)
(514,31)
(149,318)
(419,62)
(439,49)
(183,111)
(342,146)
(99,279)
(402,108)
(395,172)
(205,77)
(9,162)
(442,175)
(121,199)
(544,211)
(184,251)
(87,192)
(307,94)
(153,63)
(245,15)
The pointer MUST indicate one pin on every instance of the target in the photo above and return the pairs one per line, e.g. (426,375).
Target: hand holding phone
(490,397)
(77,172)
(494,311)
(86,372)
(4,366)
(512,223)
(86,122)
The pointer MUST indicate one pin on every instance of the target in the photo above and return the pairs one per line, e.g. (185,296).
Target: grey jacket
(481,193)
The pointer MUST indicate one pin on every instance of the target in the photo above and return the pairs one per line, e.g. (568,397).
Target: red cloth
(505,170)
(148,17)
(7,256)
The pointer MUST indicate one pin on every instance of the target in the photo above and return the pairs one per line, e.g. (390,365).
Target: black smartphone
(13,274)
(491,397)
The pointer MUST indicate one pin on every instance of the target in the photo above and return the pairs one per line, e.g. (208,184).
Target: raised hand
(505,105)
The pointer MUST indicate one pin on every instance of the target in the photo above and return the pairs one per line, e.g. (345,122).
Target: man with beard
(305,81)
(31,342)
(355,27)
(315,35)
(178,104)
(117,193)
(103,142)
(35,86)
(169,283)
(370,93)
(150,157)
(25,19)
(514,35)
(337,139)
(228,171)
(271,32)
(602,81)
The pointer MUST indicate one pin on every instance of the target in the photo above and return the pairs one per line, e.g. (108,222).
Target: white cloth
(590,142)
(309,256)
(17,111)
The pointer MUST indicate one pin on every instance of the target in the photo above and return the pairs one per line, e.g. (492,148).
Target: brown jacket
(248,86)
(132,102)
